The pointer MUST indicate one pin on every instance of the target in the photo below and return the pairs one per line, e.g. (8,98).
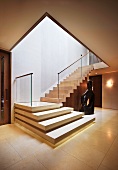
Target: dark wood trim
(4,50)
(60,25)
(10,87)
(8,54)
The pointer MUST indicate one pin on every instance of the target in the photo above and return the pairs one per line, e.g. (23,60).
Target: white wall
(45,52)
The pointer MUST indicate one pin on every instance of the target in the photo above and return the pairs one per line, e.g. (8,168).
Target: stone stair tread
(54,95)
(37,106)
(69,81)
(73,85)
(64,88)
(52,123)
(73,79)
(53,100)
(56,136)
(60,118)
(53,111)
(69,127)
(39,116)
(60,90)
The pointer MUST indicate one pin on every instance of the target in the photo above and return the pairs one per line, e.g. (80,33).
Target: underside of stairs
(50,121)
(67,86)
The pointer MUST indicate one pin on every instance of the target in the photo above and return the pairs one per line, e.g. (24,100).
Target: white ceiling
(93,22)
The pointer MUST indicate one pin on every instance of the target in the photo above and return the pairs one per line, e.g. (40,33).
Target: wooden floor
(94,148)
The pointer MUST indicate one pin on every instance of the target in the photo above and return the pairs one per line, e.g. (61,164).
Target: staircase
(67,86)
(50,121)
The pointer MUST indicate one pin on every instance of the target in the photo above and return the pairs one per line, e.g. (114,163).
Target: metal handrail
(70,66)
(31,82)
(24,75)
(73,63)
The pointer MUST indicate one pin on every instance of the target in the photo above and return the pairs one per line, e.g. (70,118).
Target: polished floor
(94,148)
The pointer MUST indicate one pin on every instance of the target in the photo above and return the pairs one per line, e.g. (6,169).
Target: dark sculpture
(87,100)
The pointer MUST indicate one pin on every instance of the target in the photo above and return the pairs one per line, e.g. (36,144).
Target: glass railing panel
(24,89)
(74,67)
(93,59)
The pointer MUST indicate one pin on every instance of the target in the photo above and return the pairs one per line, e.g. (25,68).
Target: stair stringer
(74,100)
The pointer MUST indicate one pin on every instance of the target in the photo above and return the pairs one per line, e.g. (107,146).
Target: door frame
(7,113)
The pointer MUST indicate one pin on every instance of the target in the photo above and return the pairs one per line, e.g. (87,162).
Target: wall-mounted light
(109,83)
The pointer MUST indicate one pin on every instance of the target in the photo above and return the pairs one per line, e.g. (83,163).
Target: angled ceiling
(93,22)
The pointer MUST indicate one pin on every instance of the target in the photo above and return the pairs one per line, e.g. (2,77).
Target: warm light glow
(109,134)
(109,83)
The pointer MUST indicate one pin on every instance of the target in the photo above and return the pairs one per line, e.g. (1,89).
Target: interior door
(97,89)
(4,88)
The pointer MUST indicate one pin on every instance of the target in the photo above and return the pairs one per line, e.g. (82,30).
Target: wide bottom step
(64,131)
(58,135)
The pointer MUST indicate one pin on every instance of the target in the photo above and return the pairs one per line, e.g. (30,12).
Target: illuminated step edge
(61,134)
(37,106)
(38,116)
(53,123)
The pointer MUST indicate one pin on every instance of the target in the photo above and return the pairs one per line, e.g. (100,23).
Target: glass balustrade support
(58,86)
(81,66)
(16,88)
(31,89)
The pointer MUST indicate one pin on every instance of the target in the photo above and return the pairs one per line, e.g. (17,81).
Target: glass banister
(24,88)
